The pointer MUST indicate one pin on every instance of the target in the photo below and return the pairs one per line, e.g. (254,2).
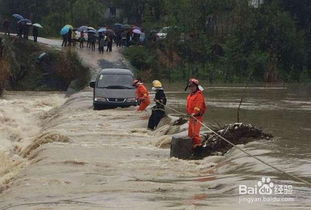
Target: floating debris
(237,133)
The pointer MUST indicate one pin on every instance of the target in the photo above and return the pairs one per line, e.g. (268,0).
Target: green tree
(89,12)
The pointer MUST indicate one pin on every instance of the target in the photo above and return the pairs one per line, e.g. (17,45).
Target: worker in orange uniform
(142,95)
(195,108)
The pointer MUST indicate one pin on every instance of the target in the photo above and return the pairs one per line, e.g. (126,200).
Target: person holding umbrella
(65,40)
(69,36)
(19,29)
(101,44)
(109,43)
(109,39)
(74,37)
(35,31)
(26,30)
(65,34)
(82,39)
(136,35)
(23,27)
(6,27)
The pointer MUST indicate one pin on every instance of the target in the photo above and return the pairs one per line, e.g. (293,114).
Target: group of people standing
(22,30)
(195,107)
(73,37)
(103,40)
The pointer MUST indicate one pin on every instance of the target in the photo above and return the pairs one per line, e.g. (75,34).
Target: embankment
(26,65)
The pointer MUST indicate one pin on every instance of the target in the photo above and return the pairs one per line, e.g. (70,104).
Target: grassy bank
(26,65)
(158,61)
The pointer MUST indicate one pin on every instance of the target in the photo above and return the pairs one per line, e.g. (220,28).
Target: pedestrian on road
(82,39)
(6,27)
(142,95)
(109,43)
(35,33)
(19,29)
(101,44)
(118,38)
(123,38)
(26,30)
(100,37)
(158,111)
(93,42)
(69,37)
(74,37)
(89,39)
(128,38)
(195,108)
(65,40)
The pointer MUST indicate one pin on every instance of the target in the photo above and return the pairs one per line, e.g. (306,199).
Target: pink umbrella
(137,31)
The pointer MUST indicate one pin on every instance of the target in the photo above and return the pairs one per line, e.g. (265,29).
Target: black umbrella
(82,28)
(18,16)
(25,21)
(110,32)
(91,31)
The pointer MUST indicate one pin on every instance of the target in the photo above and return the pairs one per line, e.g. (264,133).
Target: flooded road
(111,161)
(58,153)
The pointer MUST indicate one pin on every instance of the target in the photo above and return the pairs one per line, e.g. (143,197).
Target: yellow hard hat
(157,84)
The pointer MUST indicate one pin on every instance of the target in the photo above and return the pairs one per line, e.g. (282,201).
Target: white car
(162,33)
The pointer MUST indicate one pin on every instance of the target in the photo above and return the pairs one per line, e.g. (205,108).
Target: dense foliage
(53,14)
(29,66)
(228,40)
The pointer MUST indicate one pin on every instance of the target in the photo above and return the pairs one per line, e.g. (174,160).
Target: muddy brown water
(85,159)
(112,161)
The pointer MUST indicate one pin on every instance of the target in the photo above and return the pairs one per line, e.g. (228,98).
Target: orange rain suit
(195,106)
(142,96)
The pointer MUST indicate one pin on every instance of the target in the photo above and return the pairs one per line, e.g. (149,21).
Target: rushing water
(112,161)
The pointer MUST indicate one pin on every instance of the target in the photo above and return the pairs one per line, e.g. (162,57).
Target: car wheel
(96,107)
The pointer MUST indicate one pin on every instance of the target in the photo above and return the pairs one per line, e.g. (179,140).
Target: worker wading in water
(196,108)
(158,111)
(142,95)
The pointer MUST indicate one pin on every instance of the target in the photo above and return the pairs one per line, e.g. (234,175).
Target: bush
(70,68)
(143,59)
(23,69)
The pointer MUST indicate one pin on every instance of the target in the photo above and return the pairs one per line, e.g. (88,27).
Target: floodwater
(107,159)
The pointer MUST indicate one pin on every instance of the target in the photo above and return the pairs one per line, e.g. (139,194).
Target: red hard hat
(135,82)
(193,81)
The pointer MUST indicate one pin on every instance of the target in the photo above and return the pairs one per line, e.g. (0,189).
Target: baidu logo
(265,187)
(266,191)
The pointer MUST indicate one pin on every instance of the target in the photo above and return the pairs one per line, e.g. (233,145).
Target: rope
(226,140)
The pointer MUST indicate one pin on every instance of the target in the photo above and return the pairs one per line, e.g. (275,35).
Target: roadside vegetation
(29,66)
(227,41)
(219,41)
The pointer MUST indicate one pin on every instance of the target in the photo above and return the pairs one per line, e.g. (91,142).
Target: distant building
(112,12)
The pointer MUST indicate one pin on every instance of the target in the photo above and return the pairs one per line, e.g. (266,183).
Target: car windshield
(116,81)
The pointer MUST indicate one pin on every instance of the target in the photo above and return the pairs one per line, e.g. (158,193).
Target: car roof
(116,71)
